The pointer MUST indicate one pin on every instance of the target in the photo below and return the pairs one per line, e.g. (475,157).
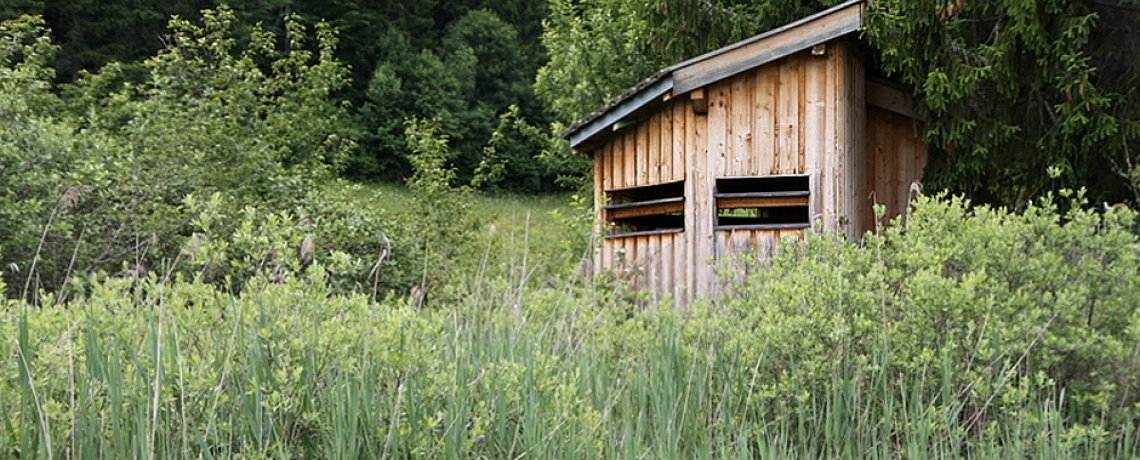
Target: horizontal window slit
(646,210)
(758,203)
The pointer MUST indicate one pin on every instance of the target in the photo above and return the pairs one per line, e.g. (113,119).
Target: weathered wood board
(807,113)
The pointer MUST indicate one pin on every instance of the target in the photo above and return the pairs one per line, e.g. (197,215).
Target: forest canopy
(467,64)
(1020,98)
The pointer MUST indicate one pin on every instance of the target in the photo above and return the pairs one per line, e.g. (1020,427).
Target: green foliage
(95,33)
(989,300)
(219,168)
(952,336)
(600,48)
(360,249)
(410,85)
(463,62)
(581,228)
(442,220)
(223,375)
(468,82)
(365,28)
(12,9)
(597,50)
(283,112)
(36,154)
(100,186)
(509,161)
(501,74)
(1011,89)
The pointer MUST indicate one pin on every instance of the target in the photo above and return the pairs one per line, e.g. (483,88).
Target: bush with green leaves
(287,366)
(972,304)
(97,180)
(442,222)
(363,249)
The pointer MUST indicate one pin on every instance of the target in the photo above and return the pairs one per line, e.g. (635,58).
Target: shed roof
(717,65)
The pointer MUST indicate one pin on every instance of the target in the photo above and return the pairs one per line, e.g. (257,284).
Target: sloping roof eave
(663,81)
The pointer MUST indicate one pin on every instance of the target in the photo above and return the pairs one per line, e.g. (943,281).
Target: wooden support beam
(745,202)
(645,208)
(890,98)
(700,100)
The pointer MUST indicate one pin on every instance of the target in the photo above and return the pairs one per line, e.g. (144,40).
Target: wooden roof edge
(662,82)
(619,108)
(776,44)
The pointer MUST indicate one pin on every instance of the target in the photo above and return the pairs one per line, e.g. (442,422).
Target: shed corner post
(597,239)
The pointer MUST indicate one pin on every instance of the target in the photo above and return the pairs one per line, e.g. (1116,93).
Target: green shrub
(961,302)
(363,249)
(290,368)
(97,182)
(830,350)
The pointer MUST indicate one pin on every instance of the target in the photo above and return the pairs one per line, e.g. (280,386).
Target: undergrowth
(966,332)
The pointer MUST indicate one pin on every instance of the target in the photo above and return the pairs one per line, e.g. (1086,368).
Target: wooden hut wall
(849,171)
(758,119)
(653,152)
(897,155)
(658,263)
(738,250)
(799,115)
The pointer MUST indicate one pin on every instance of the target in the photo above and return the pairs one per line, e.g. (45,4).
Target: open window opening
(647,210)
(760,203)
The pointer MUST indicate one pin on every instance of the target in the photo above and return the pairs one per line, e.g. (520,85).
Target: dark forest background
(1021,98)
(463,63)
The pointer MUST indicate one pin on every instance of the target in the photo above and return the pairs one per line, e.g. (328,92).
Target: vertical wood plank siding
(802,114)
(731,245)
(770,120)
(650,153)
(896,157)
(765,82)
(653,262)
(698,217)
(600,178)
(854,191)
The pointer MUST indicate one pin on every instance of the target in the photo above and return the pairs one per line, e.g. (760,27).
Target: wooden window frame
(648,210)
(780,202)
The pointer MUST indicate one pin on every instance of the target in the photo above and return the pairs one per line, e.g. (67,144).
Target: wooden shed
(736,149)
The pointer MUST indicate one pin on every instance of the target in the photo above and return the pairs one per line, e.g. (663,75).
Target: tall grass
(288,370)
(514,367)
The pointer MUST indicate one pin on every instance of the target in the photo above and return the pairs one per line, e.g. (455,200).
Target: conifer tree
(1020,98)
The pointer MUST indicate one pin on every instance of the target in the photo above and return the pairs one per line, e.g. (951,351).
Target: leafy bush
(98,182)
(976,301)
(290,368)
(368,250)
